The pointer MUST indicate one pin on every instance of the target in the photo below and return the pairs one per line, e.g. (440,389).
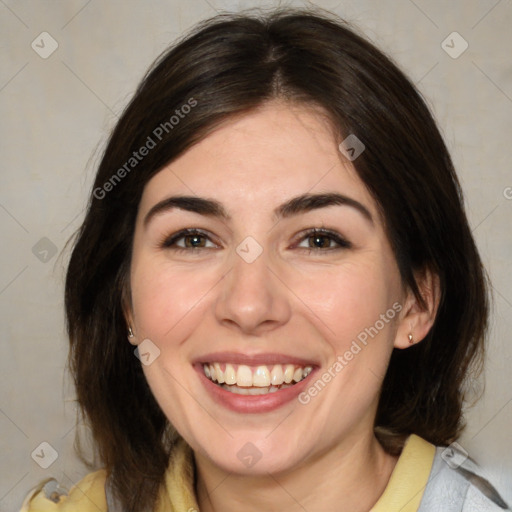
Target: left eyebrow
(294,206)
(307,202)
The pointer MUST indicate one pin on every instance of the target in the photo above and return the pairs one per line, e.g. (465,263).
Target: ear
(126,302)
(417,319)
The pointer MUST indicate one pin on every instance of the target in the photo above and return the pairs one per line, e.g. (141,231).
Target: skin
(322,455)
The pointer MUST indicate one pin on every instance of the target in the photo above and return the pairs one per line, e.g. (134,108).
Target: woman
(275,300)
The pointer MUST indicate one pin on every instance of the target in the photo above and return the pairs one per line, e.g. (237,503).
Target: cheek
(166,299)
(354,313)
(168,304)
(349,298)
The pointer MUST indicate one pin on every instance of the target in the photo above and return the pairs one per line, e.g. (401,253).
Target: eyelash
(169,242)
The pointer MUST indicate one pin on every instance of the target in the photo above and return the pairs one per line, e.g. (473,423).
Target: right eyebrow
(200,205)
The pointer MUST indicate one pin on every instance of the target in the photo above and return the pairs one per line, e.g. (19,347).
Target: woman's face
(259,299)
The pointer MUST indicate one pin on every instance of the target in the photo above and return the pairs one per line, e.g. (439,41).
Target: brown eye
(187,239)
(193,240)
(318,239)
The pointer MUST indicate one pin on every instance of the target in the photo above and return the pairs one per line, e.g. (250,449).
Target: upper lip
(253,359)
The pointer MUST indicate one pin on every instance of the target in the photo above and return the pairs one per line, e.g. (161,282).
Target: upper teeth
(258,376)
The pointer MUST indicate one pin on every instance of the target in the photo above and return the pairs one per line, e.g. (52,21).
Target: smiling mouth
(255,380)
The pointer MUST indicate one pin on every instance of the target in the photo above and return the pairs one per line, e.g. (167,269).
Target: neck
(350,476)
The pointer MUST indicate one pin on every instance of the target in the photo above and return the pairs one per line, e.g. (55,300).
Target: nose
(252,298)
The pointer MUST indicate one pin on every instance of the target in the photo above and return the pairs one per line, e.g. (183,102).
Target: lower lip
(252,403)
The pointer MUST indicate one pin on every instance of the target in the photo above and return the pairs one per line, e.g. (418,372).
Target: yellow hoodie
(403,492)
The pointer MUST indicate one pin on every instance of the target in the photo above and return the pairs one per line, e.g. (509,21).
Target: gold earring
(411,341)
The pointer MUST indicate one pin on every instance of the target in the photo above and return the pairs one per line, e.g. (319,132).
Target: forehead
(261,159)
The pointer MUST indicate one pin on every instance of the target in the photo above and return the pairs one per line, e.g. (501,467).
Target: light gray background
(55,116)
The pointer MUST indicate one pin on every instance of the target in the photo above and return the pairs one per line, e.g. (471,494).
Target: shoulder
(457,484)
(88,495)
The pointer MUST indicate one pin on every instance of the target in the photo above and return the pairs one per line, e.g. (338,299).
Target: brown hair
(229,65)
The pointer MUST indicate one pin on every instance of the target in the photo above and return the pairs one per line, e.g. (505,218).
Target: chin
(254,454)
